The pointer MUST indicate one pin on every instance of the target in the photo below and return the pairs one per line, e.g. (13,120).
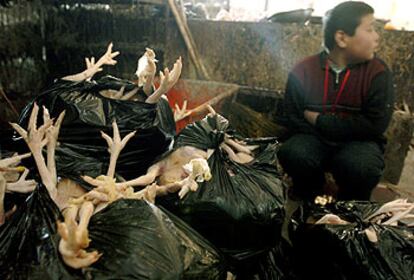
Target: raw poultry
(240,208)
(368,238)
(200,257)
(116,209)
(78,212)
(75,234)
(181,170)
(89,111)
(78,205)
(185,166)
(72,200)
(11,181)
(392,213)
(145,72)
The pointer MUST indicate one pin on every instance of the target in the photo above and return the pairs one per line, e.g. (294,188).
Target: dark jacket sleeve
(294,108)
(373,120)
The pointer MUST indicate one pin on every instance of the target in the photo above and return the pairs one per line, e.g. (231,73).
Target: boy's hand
(311,116)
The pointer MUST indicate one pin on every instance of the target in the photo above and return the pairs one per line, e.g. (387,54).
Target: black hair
(346,17)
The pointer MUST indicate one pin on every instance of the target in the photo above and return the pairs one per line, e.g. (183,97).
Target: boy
(338,105)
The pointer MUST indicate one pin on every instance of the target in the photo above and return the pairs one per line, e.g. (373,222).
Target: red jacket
(363,110)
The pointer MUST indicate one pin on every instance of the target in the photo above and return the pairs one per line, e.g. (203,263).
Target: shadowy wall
(39,43)
(261,54)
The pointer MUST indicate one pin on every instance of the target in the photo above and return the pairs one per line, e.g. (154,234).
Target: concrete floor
(405,188)
(407,178)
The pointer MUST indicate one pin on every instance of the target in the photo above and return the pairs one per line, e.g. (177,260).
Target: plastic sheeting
(271,264)
(241,208)
(88,112)
(29,241)
(140,241)
(329,251)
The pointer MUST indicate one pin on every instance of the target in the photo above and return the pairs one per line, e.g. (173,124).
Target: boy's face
(362,45)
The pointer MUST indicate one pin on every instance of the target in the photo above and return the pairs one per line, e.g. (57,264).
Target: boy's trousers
(356,166)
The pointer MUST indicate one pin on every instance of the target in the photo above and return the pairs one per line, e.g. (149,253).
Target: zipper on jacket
(336,79)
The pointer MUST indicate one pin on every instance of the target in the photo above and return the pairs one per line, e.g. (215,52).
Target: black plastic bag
(329,251)
(165,116)
(29,241)
(240,209)
(270,264)
(88,113)
(73,160)
(140,241)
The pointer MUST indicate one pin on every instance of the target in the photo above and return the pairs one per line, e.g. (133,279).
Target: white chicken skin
(146,73)
(78,208)
(183,168)
(179,172)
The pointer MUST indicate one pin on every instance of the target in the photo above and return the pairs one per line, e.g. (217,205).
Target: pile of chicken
(178,172)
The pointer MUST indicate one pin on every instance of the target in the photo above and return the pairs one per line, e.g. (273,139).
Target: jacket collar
(323,57)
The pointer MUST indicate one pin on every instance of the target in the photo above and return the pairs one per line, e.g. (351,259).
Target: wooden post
(9,103)
(188,39)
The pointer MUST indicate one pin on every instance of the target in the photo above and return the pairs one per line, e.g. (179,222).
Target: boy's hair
(346,17)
